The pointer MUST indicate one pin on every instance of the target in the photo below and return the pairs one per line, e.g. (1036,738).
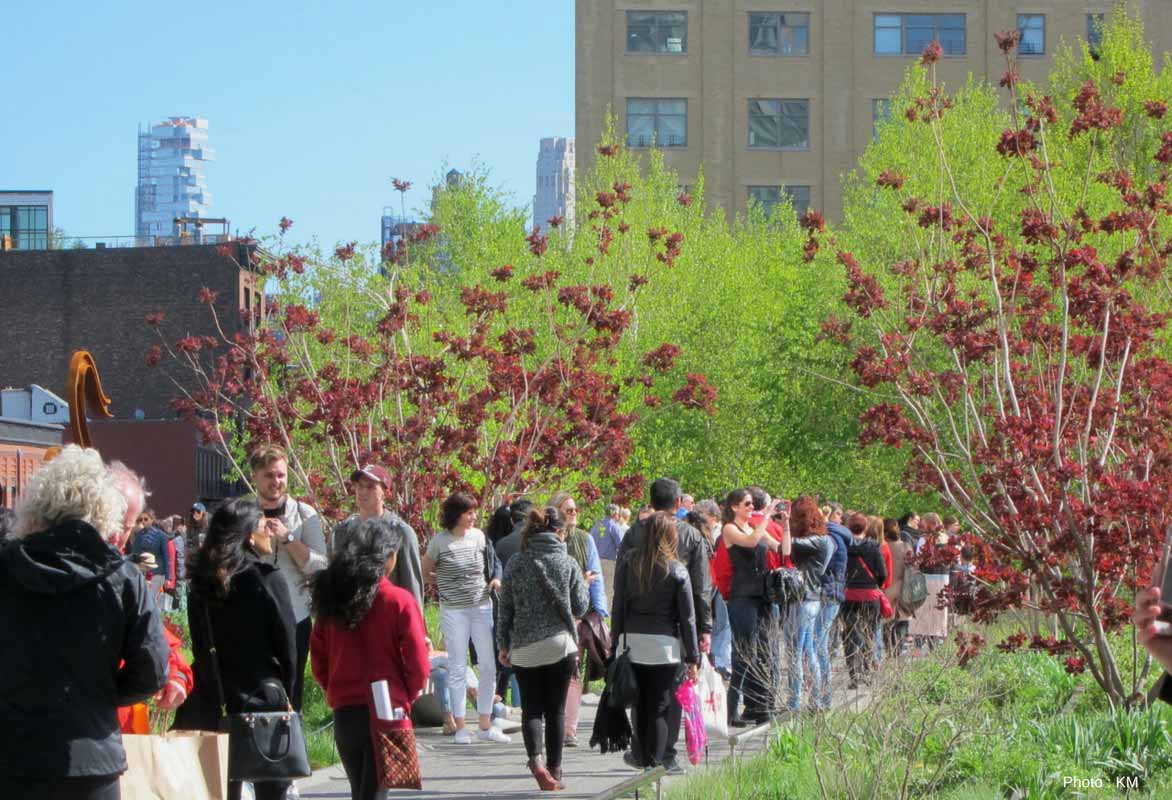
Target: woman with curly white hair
(79,634)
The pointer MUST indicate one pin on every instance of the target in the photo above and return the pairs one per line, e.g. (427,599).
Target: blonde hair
(74,485)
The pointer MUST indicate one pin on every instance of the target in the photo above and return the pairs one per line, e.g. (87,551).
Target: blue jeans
(827,617)
(721,635)
(801,648)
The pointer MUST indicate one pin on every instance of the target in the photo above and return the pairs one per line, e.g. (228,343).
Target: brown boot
(556,772)
(541,774)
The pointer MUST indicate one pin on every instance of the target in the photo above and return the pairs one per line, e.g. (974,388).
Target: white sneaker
(505,725)
(493,735)
(463,736)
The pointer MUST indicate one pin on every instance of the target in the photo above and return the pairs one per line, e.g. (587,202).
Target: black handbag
(262,745)
(621,683)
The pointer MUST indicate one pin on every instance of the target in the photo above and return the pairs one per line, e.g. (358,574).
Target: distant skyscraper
(555,182)
(170,181)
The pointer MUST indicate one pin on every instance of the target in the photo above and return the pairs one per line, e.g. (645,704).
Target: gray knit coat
(544,592)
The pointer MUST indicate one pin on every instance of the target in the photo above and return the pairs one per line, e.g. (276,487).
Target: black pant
(304,629)
(652,711)
(352,735)
(859,620)
(103,787)
(754,668)
(543,696)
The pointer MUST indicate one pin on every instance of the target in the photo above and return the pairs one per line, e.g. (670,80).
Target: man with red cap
(371,484)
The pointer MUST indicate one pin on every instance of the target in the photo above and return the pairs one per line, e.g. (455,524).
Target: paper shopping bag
(183,765)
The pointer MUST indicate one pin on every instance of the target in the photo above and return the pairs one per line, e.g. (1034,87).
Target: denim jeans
(801,648)
(721,635)
(827,619)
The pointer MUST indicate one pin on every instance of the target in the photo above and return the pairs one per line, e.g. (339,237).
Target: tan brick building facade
(773,96)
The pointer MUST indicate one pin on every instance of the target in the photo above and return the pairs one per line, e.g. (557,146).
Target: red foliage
(208,296)
(932,53)
(285,224)
(155,318)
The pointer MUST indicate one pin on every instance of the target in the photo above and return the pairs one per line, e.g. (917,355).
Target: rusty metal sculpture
(83,387)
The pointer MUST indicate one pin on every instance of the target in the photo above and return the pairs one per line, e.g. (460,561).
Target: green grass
(1006,726)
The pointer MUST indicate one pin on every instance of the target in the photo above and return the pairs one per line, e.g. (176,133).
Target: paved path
(480,770)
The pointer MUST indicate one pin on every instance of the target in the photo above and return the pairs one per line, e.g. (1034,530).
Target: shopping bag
(182,765)
(395,759)
(713,700)
(693,719)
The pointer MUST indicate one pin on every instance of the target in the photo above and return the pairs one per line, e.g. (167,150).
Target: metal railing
(634,784)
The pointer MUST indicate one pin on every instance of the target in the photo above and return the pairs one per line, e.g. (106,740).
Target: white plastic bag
(713,700)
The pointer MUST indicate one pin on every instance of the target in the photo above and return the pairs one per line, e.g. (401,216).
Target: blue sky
(312,107)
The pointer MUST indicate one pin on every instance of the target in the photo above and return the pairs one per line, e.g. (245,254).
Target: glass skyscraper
(171,182)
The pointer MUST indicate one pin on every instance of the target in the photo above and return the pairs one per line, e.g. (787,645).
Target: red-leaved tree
(500,388)
(1022,358)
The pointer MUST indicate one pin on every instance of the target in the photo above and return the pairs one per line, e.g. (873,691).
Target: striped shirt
(544,651)
(459,567)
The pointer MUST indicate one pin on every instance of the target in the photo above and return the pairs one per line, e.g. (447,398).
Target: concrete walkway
(482,769)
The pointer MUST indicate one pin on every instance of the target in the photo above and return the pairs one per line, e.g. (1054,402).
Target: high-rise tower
(171,183)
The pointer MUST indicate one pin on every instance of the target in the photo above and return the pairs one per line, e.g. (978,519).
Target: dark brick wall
(57,301)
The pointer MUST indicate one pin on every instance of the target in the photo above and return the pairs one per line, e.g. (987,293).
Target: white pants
(458,626)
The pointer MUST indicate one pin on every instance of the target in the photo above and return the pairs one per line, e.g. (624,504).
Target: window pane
(673,106)
(799,197)
(950,32)
(640,129)
(41,217)
(1033,34)
(673,33)
(795,124)
(640,107)
(919,33)
(763,33)
(888,39)
(673,130)
(1094,31)
(764,124)
(640,38)
(795,34)
(765,196)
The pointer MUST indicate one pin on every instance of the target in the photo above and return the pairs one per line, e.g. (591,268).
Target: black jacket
(79,637)
(666,609)
(256,639)
(865,551)
(694,554)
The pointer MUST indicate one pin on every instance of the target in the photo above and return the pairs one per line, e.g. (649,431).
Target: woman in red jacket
(366,629)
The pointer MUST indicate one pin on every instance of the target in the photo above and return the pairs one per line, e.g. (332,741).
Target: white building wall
(554,196)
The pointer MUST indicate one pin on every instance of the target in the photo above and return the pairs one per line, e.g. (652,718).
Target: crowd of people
(268,589)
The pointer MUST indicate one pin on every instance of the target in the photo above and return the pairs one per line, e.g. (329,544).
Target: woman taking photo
(543,597)
(455,562)
(865,574)
(366,629)
(753,666)
(811,550)
(581,547)
(241,606)
(654,616)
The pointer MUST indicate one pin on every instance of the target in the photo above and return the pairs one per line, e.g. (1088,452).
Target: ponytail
(547,520)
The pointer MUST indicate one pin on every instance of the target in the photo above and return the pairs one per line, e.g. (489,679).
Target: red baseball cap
(374,472)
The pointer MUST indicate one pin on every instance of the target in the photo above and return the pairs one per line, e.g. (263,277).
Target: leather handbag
(621,681)
(263,745)
(396,761)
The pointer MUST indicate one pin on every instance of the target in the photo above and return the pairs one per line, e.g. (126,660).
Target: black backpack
(785,585)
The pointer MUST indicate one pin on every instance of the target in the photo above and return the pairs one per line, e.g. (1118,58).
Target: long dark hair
(735,498)
(343,592)
(660,548)
(549,520)
(223,551)
(500,525)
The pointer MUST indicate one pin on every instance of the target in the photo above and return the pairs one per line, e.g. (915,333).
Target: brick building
(60,301)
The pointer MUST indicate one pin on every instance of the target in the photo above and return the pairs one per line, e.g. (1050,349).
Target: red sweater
(389,644)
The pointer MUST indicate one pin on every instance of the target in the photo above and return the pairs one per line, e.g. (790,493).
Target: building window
(1032,28)
(779,124)
(766,197)
(783,34)
(799,198)
(1094,33)
(657,32)
(659,122)
(909,34)
(880,112)
(27,225)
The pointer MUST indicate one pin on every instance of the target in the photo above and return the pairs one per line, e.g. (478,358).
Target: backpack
(914,591)
(785,585)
